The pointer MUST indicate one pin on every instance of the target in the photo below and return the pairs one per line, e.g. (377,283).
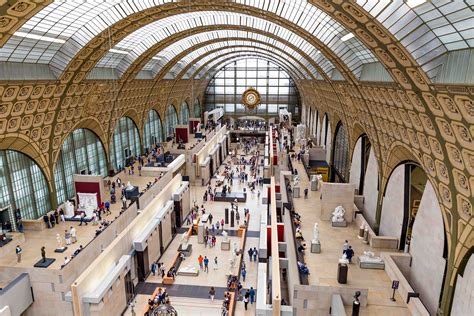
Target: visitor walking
(246,299)
(18,251)
(349,254)
(212,293)
(215,263)
(345,246)
(255,254)
(250,252)
(67,236)
(73,235)
(206,264)
(244,274)
(200,260)
(252,295)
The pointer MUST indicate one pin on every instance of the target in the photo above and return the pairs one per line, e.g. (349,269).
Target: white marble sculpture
(369,256)
(59,241)
(234,249)
(316,233)
(296,180)
(184,241)
(68,209)
(338,214)
(129,186)
(224,236)
(344,259)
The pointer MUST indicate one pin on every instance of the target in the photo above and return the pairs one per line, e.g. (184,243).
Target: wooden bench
(147,307)
(176,262)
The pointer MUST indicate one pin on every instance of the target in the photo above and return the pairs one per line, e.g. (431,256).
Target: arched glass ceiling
(208,71)
(135,44)
(296,71)
(284,52)
(55,34)
(426,28)
(178,69)
(76,23)
(164,56)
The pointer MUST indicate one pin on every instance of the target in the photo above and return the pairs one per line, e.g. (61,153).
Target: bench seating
(176,262)
(147,307)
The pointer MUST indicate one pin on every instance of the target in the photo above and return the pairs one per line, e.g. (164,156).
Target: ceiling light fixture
(347,37)
(157,58)
(118,51)
(39,37)
(415,3)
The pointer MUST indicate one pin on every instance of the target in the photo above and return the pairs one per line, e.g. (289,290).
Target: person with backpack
(349,254)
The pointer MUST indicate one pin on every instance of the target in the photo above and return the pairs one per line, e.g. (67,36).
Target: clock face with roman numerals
(251,98)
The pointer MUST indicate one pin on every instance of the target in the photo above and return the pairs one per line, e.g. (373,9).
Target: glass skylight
(172,51)
(428,29)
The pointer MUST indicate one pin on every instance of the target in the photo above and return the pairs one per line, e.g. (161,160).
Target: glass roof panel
(143,39)
(159,61)
(189,58)
(427,30)
(77,22)
(217,64)
(232,50)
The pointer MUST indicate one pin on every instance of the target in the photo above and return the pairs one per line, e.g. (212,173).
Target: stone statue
(316,233)
(234,249)
(59,241)
(338,214)
(129,186)
(369,256)
(184,240)
(68,209)
(296,180)
(224,236)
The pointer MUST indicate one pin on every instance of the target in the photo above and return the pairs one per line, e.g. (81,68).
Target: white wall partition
(392,205)
(427,244)
(371,188)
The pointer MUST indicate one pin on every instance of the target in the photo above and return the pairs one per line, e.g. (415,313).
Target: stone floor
(217,278)
(34,240)
(323,266)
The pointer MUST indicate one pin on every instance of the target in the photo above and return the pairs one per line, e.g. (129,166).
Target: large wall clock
(251,98)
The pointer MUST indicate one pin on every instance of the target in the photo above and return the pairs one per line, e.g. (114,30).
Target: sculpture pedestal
(186,250)
(315,246)
(60,250)
(225,245)
(342,270)
(339,224)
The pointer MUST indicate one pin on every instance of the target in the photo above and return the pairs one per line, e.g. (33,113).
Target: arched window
(153,130)
(171,120)
(126,143)
(197,108)
(275,86)
(341,154)
(23,185)
(81,152)
(184,116)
